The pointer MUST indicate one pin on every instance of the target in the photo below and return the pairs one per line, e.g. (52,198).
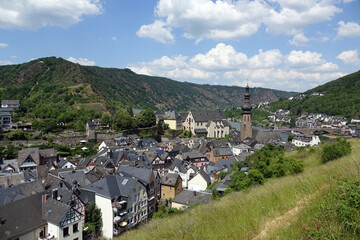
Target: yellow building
(171,185)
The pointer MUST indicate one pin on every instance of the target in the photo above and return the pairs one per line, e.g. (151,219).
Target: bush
(332,151)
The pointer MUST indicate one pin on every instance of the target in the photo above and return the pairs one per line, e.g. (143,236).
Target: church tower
(246,126)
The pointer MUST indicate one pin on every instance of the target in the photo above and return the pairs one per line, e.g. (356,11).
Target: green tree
(93,220)
(146,118)
(122,120)
(332,151)
(105,119)
(293,122)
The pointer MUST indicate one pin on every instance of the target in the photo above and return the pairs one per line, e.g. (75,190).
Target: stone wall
(68,140)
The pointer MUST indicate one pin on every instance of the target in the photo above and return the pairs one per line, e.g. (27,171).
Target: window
(144,193)
(42,233)
(130,200)
(75,228)
(66,232)
(170,188)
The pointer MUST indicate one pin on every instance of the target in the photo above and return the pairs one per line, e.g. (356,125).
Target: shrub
(332,151)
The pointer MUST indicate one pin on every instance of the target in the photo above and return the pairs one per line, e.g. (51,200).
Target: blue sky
(281,44)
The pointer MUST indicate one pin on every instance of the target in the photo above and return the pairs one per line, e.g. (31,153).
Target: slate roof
(23,190)
(222,152)
(192,155)
(11,162)
(179,164)
(11,179)
(187,197)
(205,116)
(113,186)
(72,175)
(142,174)
(225,163)
(96,174)
(24,153)
(267,137)
(21,216)
(169,179)
(54,211)
(172,115)
(46,153)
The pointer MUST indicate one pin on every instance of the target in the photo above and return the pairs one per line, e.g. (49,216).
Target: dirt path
(283,220)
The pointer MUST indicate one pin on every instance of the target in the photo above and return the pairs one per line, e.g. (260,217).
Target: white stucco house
(199,182)
(122,201)
(305,140)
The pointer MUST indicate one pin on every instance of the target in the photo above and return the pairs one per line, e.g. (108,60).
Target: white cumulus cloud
(33,14)
(224,65)
(299,40)
(231,20)
(266,59)
(221,57)
(350,57)
(349,29)
(3,45)
(157,31)
(82,61)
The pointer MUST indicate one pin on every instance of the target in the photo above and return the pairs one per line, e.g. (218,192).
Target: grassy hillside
(282,208)
(55,80)
(342,97)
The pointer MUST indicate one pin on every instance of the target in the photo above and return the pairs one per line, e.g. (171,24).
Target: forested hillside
(341,97)
(61,91)
(117,87)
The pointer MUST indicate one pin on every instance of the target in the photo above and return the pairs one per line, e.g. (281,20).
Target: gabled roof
(172,115)
(179,164)
(20,191)
(46,153)
(73,177)
(96,174)
(169,179)
(54,211)
(142,174)
(225,163)
(113,186)
(203,175)
(33,153)
(192,155)
(221,152)
(187,197)
(21,217)
(205,116)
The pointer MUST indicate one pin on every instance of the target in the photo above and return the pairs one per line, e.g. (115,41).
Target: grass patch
(244,215)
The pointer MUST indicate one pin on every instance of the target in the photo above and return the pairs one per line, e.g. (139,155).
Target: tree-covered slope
(57,81)
(341,97)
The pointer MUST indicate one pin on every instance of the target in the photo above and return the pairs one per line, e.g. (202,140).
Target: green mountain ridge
(55,80)
(341,98)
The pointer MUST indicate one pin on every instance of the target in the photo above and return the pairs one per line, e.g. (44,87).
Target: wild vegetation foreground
(320,203)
